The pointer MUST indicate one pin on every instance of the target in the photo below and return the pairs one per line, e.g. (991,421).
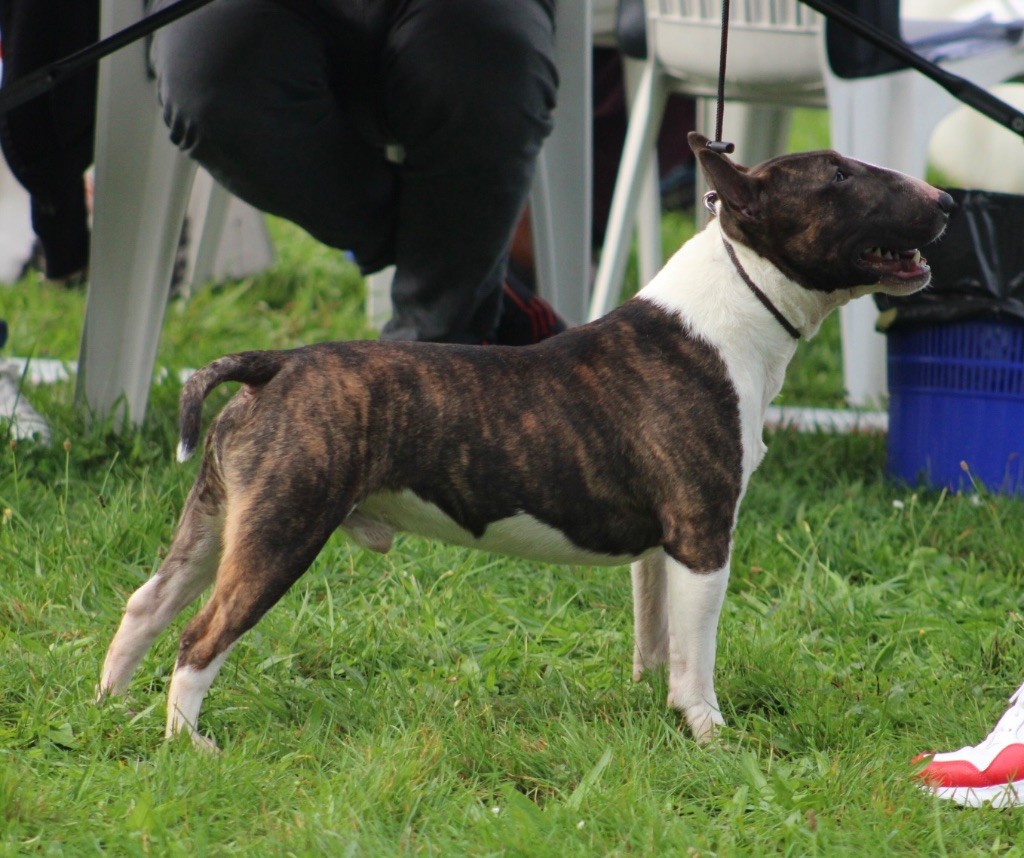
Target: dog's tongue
(910,260)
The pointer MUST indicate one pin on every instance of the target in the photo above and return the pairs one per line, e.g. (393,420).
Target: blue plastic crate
(956,394)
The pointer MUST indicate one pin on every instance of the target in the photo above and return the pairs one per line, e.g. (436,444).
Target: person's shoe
(988,773)
(526,318)
(24,421)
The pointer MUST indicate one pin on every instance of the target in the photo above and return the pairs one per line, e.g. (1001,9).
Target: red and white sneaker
(989,773)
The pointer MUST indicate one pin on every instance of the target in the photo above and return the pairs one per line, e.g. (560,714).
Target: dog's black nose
(946,203)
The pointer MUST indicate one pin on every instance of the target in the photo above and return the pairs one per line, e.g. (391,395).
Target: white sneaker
(25,421)
(991,772)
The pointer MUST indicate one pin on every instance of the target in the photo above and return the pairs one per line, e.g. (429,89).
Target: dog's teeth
(917,257)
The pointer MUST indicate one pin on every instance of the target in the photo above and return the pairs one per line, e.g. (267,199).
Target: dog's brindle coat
(628,439)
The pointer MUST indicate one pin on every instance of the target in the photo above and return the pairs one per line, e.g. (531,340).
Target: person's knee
(234,69)
(192,90)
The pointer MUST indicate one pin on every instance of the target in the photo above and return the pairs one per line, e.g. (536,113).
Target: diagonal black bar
(44,79)
(969,93)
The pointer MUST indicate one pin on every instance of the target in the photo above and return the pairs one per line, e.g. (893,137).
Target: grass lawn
(443,702)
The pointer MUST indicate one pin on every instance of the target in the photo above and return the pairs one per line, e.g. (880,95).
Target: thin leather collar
(788,326)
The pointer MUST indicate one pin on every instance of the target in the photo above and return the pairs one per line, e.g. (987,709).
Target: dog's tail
(247,367)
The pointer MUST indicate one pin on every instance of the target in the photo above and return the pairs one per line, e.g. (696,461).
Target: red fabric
(1008,766)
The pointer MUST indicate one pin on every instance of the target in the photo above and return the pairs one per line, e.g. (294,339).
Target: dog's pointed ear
(735,187)
(697,141)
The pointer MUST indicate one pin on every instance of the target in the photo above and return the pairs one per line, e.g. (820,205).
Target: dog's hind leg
(695,604)
(186,571)
(264,554)
(650,613)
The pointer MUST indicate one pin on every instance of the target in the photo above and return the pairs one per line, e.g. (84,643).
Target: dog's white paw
(704,724)
(202,744)
(701,711)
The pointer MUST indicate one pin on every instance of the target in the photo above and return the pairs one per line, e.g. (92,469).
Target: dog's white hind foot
(185,698)
(695,603)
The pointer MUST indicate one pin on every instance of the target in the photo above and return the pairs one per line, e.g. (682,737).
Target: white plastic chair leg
(648,218)
(142,188)
(207,215)
(378,297)
(641,133)
(864,114)
(228,237)
(561,198)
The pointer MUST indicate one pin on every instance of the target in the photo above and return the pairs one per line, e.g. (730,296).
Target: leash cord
(717,145)
(722,54)
(711,196)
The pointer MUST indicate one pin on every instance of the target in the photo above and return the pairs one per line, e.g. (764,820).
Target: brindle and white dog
(630,439)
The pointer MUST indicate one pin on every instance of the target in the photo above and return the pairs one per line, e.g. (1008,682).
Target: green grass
(443,702)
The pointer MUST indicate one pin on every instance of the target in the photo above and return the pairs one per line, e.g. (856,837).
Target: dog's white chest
(520,535)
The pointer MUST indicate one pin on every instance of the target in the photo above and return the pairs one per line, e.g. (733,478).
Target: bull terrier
(627,440)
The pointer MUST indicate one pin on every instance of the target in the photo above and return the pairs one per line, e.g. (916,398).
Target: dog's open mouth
(902,269)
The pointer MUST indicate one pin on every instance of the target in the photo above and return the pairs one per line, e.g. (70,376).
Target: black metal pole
(41,80)
(969,93)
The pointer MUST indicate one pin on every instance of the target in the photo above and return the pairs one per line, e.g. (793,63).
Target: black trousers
(48,142)
(291,103)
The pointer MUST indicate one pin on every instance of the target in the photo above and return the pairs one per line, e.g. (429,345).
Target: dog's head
(829,222)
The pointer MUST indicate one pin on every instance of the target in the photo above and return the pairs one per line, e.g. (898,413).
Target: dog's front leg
(694,605)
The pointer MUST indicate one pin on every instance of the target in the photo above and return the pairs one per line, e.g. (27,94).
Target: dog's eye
(840,176)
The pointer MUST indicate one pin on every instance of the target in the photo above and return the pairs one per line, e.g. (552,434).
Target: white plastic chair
(773,58)
(777,59)
(142,189)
